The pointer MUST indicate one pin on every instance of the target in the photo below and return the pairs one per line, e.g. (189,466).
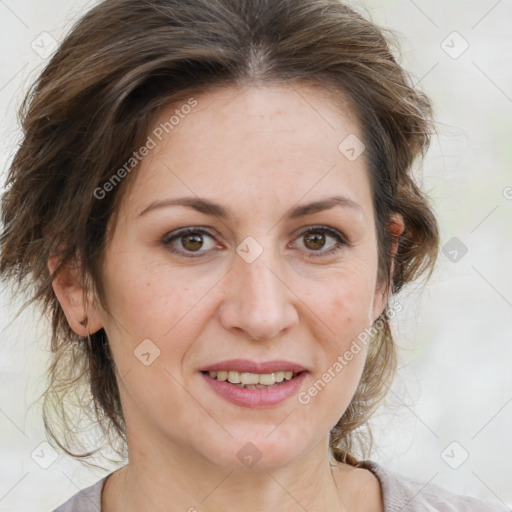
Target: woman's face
(273,271)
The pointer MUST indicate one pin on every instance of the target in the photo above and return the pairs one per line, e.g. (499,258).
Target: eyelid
(177,234)
(185,231)
(336,233)
(340,238)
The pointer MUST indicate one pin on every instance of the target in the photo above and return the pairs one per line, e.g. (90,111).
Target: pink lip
(256,398)
(247,366)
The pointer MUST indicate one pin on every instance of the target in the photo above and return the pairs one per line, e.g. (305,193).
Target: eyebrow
(216,210)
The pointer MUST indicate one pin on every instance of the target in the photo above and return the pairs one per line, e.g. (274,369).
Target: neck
(174,479)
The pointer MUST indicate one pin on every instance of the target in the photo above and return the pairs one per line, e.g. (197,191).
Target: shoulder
(401,493)
(86,500)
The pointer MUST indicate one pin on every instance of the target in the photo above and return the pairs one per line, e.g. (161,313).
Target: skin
(258,151)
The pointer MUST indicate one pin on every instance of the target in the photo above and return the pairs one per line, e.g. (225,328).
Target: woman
(214,202)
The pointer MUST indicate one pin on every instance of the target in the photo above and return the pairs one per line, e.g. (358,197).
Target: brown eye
(314,241)
(191,242)
(188,241)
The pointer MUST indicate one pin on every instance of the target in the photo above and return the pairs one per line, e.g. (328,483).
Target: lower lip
(256,398)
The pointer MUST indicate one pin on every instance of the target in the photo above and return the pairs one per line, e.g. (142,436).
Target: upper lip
(248,366)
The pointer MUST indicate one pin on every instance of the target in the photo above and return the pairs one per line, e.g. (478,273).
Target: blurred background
(448,417)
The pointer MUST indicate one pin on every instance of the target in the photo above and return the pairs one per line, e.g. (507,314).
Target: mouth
(248,380)
(255,384)
(250,374)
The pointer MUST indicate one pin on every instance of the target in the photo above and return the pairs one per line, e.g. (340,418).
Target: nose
(258,302)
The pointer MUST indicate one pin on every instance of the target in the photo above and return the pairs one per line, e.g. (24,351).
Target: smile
(252,380)
(240,389)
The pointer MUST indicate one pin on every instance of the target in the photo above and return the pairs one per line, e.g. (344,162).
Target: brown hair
(91,108)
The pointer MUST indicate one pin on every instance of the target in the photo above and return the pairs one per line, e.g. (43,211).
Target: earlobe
(396,228)
(80,311)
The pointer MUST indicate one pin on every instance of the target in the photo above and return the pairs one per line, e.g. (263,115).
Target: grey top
(399,493)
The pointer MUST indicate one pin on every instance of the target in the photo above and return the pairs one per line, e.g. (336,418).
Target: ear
(396,227)
(77,303)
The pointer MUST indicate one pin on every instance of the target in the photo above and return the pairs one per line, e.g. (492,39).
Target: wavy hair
(91,107)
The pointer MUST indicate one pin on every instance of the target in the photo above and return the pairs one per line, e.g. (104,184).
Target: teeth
(244,379)
(268,379)
(234,377)
(249,378)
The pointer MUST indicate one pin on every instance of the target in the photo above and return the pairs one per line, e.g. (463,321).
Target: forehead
(237,115)
(258,143)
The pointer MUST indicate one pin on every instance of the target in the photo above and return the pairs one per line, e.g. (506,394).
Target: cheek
(345,308)
(150,303)
(344,302)
(344,347)
(152,298)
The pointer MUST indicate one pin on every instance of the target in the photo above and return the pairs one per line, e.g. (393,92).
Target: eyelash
(342,242)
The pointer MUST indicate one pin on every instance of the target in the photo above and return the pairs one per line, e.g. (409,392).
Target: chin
(255,453)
